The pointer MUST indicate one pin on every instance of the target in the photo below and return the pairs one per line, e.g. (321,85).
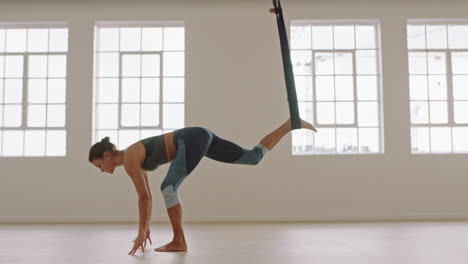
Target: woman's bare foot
(174,246)
(304,124)
(307,125)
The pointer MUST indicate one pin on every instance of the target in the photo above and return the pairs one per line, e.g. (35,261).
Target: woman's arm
(132,167)
(148,187)
(144,197)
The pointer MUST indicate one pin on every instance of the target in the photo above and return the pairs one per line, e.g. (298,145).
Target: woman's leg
(191,148)
(226,151)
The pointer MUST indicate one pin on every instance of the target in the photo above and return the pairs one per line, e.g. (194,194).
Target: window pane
(36,116)
(38,40)
(131,65)
(150,90)
(106,116)
(418,87)
(173,64)
(460,140)
(145,133)
(301,37)
(56,143)
(131,90)
(34,143)
(346,140)
(130,115)
(419,113)
(436,63)
(174,38)
(322,37)
(152,39)
(367,87)
(438,112)
(458,36)
(417,63)
(306,112)
(2,46)
(366,62)
(460,62)
(368,114)
(56,115)
(461,113)
(365,37)
(173,116)
(108,64)
(150,114)
(128,137)
(460,87)
(56,92)
(303,87)
(150,65)
(344,37)
(2,66)
(57,66)
(344,88)
(13,91)
(37,66)
(37,91)
(12,143)
(437,88)
(416,37)
(345,113)
(441,139)
(16,40)
(323,64)
(108,90)
(58,39)
(326,113)
(108,39)
(343,63)
(368,140)
(130,39)
(325,141)
(420,139)
(302,141)
(173,90)
(301,62)
(1,91)
(14,66)
(436,37)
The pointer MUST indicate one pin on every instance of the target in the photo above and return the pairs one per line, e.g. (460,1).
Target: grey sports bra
(155,152)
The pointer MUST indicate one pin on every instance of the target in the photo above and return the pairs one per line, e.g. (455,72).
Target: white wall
(234,86)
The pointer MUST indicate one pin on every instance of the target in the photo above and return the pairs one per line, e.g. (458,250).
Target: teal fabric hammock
(287,65)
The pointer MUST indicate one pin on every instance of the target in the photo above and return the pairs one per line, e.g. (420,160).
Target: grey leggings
(194,143)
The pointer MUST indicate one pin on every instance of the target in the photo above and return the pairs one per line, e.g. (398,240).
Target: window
(139,81)
(338,82)
(438,83)
(33,69)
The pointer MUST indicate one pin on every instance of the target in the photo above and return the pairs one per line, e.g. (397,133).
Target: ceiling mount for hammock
(287,65)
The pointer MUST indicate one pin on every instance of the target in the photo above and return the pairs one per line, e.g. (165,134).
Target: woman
(184,148)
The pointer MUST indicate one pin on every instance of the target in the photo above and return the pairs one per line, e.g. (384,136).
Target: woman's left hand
(138,243)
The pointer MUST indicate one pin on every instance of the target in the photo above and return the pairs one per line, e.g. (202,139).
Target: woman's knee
(171,196)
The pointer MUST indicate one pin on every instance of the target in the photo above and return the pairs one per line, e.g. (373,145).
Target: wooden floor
(225,243)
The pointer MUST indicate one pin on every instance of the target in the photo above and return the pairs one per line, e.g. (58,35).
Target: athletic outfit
(192,144)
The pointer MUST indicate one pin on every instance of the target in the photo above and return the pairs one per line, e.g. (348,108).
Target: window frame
(24,128)
(378,74)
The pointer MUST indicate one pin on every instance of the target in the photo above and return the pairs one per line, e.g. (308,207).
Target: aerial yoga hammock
(287,65)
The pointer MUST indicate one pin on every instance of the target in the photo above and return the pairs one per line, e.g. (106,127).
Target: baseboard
(311,218)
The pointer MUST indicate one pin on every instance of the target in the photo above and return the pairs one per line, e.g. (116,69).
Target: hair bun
(106,139)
